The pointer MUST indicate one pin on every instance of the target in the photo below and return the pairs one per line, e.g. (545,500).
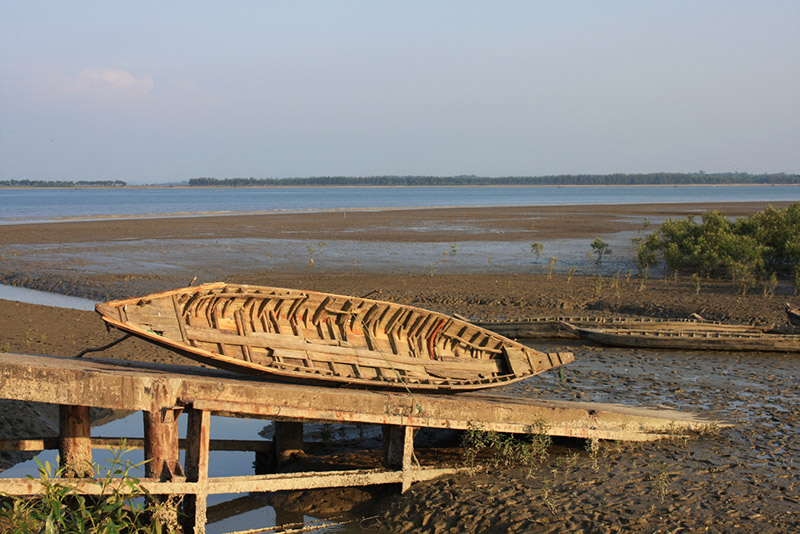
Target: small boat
(690,339)
(793,314)
(554,327)
(324,338)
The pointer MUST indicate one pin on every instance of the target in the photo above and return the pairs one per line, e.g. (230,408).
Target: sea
(53,205)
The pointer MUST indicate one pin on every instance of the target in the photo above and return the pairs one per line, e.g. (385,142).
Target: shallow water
(32,296)
(191,257)
(28,205)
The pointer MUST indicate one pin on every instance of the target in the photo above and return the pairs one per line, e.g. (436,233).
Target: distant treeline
(62,183)
(661,178)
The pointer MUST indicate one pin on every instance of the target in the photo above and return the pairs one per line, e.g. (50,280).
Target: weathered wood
(288,440)
(691,339)
(198,433)
(556,326)
(243,484)
(793,314)
(334,338)
(161,449)
(110,385)
(75,440)
(160,391)
(48,443)
(398,450)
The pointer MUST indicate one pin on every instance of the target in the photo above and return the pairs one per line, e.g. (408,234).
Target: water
(31,296)
(38,205)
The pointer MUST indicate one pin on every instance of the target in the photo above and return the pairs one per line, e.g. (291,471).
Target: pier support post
(398,449)
(198,434)
(162,453)
(75,440)
(161,444)
(288,441)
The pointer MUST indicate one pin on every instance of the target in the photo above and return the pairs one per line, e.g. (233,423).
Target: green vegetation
(760,247)
(59,508)
(507,449)
(660,178)
(600,248)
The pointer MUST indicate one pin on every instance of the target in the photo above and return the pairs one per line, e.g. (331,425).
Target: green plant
(551,262)
(571,273)
(546,499)
(597,286)
(507,449)
(60,509)
(600,248)
(536,249)
(662,481)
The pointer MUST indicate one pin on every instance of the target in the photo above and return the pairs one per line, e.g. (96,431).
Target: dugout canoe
(323,338)
(554,326)
(793,314)
(690,339)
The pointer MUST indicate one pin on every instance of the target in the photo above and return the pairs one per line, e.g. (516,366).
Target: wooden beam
(243,484)
(43,444)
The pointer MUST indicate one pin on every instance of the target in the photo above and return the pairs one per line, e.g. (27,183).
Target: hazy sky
(167,91)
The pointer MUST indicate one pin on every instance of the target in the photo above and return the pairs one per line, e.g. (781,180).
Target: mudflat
(738,479)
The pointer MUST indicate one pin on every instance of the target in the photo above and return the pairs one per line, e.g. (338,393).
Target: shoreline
(350,186)
(677,209)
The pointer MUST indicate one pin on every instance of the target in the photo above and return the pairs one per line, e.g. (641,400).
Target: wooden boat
(319,337)
(793,314)
(554,327)
(690,339)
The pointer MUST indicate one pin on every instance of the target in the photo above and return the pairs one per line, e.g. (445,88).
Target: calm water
(33,205)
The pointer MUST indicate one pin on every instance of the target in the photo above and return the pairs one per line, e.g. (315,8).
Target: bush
(749,249)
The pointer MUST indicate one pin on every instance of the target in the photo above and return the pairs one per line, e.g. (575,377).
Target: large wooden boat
(554,326)
(793,314)
(690,339)
(311,336)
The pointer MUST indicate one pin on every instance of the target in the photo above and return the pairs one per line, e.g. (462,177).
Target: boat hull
(692,340)
(324,338)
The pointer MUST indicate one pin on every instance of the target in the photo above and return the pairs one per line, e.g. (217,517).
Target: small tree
(536,249)
(600,248)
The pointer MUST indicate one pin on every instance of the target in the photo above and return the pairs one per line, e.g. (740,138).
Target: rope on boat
(104,347)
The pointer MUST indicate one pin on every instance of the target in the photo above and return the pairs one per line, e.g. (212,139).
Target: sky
(159,92)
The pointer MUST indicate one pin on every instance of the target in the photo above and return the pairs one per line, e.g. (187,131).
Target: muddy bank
(741,479)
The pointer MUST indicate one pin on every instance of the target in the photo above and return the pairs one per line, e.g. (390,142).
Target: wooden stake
(75,441)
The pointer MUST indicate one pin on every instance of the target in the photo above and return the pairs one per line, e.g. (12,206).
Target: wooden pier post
(288,441)
(162,453)
(161,444)
(398,449)
(198,438)
(75,440)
